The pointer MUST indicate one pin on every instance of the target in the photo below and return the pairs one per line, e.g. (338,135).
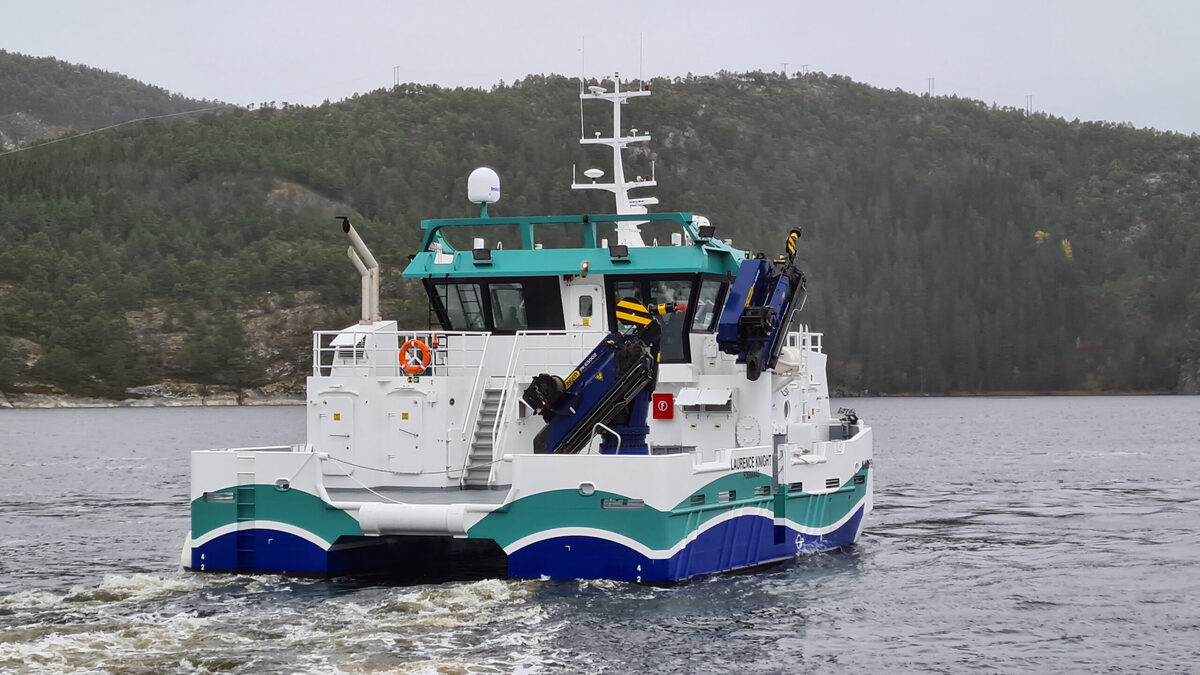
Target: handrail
(601,425)
(508,380)
(471,421)
(526,224)
(381,360)
(510,374)
(473,399)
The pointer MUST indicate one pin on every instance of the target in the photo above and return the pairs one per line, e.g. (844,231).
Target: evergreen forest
(949,245)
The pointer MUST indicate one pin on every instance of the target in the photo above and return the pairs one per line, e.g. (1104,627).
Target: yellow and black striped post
(634,312)
(792,241)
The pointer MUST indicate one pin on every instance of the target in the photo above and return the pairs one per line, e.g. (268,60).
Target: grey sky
(1097,59)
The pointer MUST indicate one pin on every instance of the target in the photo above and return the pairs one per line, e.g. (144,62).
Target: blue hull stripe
(741,542)
(263,550)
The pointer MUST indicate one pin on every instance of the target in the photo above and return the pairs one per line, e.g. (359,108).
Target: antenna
(582,79)
(640,80)
(395,76)
(628,232)
(1028,104)
(930,80)
(785,65)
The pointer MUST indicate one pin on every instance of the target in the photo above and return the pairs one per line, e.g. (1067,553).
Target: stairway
(479,460)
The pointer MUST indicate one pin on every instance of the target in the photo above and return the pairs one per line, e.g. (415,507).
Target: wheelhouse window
(508,307)
(673,346)
(708,305)
(462,305)
(503,306)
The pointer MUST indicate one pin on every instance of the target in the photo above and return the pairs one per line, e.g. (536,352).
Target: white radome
(483,186)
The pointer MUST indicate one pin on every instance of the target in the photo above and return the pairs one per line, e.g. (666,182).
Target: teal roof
(705,255)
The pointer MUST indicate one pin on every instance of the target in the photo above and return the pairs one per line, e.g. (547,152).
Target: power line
(113,126)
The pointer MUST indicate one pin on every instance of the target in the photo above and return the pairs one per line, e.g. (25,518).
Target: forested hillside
(44,98)
(949,246)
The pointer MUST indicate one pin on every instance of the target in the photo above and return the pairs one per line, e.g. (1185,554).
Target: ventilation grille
(626,504)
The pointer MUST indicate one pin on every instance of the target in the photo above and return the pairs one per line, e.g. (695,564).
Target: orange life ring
(414,357)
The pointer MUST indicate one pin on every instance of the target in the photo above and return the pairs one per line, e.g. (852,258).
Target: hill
(949,246)
(44,98)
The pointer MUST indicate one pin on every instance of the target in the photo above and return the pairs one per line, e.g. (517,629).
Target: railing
(552,355)
(377,353)
(565,357)
(474,401)
(805,341)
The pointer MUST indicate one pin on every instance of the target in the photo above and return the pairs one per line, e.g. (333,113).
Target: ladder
(479,460)
(244,495)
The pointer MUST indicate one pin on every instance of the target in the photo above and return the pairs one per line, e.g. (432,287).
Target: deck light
(583,268)
(619,252)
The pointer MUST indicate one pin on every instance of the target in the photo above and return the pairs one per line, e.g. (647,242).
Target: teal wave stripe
(294,507)
(655,529)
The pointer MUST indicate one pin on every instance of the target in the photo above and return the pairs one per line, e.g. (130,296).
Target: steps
(479,460)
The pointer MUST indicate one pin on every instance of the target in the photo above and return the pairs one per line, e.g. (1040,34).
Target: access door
(585,306)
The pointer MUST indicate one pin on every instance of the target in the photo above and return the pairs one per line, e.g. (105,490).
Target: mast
(629,232)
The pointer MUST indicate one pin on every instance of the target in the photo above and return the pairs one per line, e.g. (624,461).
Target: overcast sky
(1135,62)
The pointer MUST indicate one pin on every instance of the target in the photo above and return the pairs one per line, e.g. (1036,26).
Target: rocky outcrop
(166,394)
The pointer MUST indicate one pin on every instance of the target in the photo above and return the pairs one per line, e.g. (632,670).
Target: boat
(587,402)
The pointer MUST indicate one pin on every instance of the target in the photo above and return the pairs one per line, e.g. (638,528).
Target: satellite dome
(483,186)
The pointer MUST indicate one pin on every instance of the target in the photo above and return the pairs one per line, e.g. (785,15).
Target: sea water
(1010,534)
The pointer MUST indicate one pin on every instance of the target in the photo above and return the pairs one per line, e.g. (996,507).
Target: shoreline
(23,401)
(53,401)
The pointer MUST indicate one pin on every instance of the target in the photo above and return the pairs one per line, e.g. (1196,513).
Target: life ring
(414,357)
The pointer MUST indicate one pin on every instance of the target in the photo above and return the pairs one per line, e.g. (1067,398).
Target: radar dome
(483,186)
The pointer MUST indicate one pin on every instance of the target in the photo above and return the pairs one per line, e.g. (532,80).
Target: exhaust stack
(368,268)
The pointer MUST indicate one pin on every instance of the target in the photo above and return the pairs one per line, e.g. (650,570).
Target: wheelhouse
(533,288)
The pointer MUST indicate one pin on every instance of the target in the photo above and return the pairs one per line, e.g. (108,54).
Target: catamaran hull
(559,534)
